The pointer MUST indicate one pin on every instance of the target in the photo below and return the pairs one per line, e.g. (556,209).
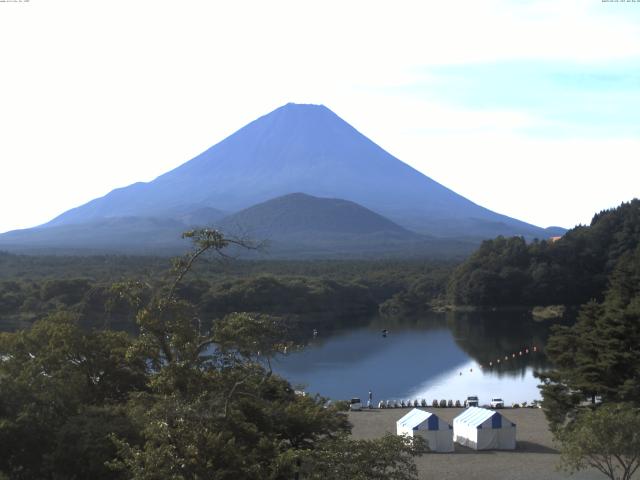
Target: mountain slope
(120,234)
(303,148)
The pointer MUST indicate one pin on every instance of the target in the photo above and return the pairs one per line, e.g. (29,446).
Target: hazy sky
(529,108)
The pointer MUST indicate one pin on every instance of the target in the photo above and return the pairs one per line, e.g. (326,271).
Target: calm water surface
(438,356)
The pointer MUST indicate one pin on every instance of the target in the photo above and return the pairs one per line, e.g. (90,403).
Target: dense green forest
(569,271)
(117,267)
(328,292)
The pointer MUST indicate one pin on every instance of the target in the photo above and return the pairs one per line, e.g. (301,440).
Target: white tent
(437,433)
(483,429)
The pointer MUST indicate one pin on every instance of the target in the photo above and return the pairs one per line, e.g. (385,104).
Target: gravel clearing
(535,457)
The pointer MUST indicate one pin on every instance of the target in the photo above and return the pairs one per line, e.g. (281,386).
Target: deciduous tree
(607,439)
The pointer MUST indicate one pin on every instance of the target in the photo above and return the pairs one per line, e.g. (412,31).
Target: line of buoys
(513,355)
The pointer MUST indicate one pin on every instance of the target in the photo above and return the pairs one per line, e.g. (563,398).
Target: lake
(439,356)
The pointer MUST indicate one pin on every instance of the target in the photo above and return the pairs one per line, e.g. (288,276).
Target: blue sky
(562,99)
(526,107)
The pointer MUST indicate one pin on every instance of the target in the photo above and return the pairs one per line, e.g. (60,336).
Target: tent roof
(475,416)
(414,418)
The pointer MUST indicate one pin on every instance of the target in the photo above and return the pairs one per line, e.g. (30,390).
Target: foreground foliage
(185,399)
(389,458)
(606,439)
(59,388)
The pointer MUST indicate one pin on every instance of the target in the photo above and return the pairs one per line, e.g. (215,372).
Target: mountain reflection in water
(437,356)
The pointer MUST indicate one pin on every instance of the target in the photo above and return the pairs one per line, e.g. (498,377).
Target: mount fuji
(296,148)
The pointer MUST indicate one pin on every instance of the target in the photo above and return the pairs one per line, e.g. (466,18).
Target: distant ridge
(292,226)
(121,234)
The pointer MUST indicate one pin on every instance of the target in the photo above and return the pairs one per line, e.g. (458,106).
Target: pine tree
(599,356)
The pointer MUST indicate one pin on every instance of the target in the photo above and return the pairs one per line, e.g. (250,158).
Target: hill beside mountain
(301,225)
(301,214)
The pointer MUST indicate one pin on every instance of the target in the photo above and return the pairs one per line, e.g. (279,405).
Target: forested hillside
(321,291)
(569,271)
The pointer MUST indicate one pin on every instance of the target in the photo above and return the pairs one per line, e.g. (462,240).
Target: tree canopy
(569,271)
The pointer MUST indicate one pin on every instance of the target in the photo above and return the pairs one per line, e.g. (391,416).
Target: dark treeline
(322,291)
(117,267)
(570,271)
(96,267)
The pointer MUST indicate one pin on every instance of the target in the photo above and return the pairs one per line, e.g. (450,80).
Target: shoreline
(538,313)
